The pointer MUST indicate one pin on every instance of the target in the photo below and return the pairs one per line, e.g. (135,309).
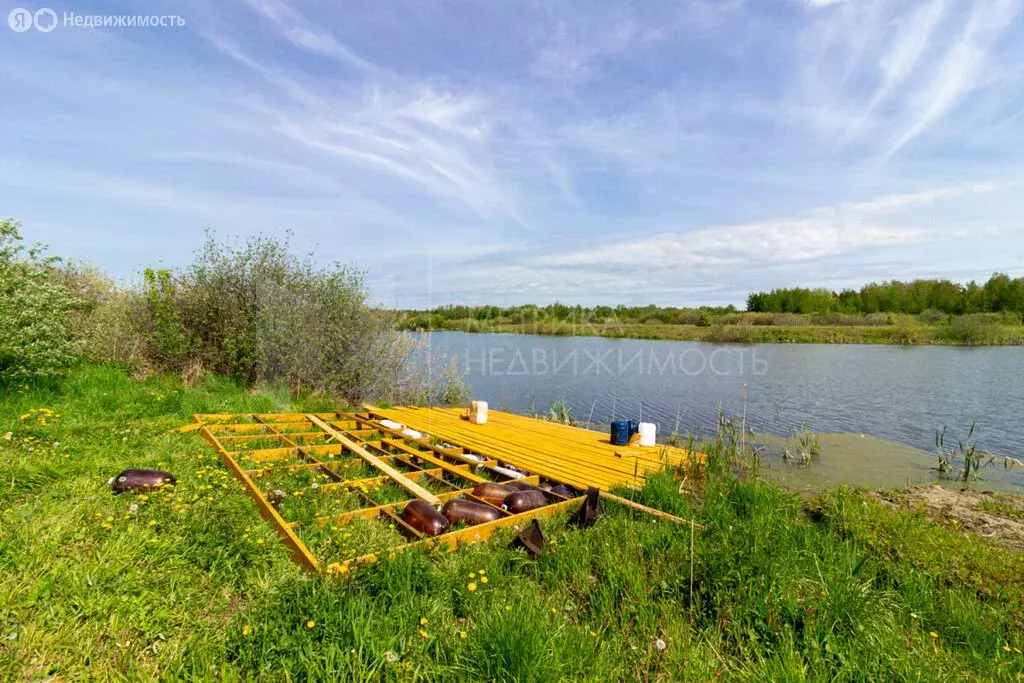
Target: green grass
(194,584)
(912,333)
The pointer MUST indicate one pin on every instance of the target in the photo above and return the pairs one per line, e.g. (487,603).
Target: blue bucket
(634,427)
(620,433)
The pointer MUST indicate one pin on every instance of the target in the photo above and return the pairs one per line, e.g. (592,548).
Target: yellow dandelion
(110,519)
(463,634)
(143,497)
(933,634)
(152,522)
(424,634)
(310,624)
(1006,647)
(508,608)
(483,579)
(246,630)
(259,541)
(423,621)
(472,575)
(554,611)
(471,586)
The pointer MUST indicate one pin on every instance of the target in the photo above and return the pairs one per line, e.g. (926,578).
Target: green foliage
(260,314)
(35,311)
(1000,293)
(972,329)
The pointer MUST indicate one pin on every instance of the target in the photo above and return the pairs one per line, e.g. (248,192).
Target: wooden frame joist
(314,475)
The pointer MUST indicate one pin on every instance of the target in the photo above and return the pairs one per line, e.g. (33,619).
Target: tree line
(1000,294)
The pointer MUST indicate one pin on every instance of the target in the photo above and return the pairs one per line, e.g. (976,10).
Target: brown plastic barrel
(133,479)
(492,493)
(563,490)
(459,510)
(422,517)
(521,485)
(524,501)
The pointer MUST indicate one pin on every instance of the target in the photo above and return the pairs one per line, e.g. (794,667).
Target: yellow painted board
(400,479)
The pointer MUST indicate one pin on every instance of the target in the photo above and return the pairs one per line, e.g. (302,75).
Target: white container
(412,434)
(648,434)
(509,473)
(391,424)
(478,412)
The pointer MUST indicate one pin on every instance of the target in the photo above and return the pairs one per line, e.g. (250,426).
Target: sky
(677,153)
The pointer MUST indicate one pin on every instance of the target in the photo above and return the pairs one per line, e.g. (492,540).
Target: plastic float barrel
(493,493)
(634,427)
(563,490)
(648,434)
(133,479)
(510,473)
(620,433)
(459,510)
(422,517)
(524,501)
(521,486)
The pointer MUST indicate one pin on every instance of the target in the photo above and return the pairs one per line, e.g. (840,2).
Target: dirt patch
(998,516)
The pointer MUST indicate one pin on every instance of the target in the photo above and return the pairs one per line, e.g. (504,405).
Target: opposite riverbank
(904,330)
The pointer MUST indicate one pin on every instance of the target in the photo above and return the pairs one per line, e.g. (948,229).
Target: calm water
(902,394)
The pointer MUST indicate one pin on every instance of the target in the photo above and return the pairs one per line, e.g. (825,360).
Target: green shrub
(977,328)
(931,316)
(35,330)
(260,314)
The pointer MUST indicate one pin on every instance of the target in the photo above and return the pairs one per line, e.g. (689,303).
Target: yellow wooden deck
(580,457)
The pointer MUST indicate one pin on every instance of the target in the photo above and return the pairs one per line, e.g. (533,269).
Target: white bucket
(478,412)
(648,434)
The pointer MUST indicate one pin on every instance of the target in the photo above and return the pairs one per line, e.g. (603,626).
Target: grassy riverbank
(194,585)
(903,330)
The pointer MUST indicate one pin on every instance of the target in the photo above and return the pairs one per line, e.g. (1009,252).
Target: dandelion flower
(310,624)
(463,634)
(246,630)
(424,634)
(482,572)
(259,541)
(1006,647)
(483,579)
(152,522)
(110,519)
(391,656)
(423,621)
(933,634)
(660,644)
(472,575)
(508,608)
(471,586)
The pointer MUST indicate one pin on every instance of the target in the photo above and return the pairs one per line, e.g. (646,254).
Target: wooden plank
(400,479)
(300,553)
(649,510)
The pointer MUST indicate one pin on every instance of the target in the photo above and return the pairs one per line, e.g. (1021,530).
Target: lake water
(901,394)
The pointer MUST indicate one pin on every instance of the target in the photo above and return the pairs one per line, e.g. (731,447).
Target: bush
(35,310)
(977,328)
(930,316)
(260,314)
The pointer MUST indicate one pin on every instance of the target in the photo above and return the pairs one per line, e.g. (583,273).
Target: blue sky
(676,153)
